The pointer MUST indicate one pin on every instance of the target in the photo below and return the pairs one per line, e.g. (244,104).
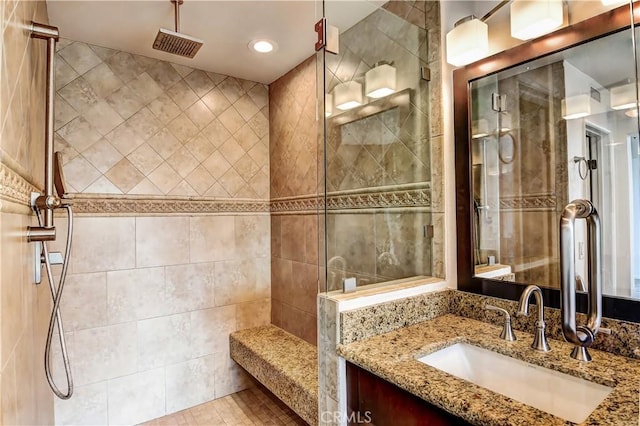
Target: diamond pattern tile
(164,143)
(102,117)
(231,120)
(246,137)
(80,57)
(64,73)
(135,125)
(183,189)
(246,107)
(80,173)
(124,175)
(79,133)
(232,150)
(216,165)
(216,133)
(102,80)
(199,82)
(288,121)
(102,155)
(79,94)
(216,101)
(164,178)
(183,162)
(145,87)
(200,146)
(145,159)
(200,180)
(199,115)
(125,102)
(164,108)
(164,74)
(182,94)
(183,128)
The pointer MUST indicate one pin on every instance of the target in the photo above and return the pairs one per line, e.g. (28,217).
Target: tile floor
(254,406)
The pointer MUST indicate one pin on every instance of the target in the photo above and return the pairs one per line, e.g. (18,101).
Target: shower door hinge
(498,102)
(328,37)
(425,73)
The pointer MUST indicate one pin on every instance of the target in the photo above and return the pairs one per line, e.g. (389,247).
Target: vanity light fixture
(624,97)
(533,18)
(578,106)
(328,105)
(347,95)
(263,46)
(380,81)
(468,41)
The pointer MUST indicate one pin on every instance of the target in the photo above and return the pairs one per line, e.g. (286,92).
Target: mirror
(538,126)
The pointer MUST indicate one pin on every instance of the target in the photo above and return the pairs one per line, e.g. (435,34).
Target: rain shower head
(177,43)
(173,41)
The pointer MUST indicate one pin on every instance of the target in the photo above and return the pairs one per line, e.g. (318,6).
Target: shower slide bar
(48,201)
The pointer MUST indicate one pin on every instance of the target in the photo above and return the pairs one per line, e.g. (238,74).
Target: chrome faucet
(539,340)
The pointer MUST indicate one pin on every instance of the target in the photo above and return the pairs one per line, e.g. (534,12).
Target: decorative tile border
(128,205)
(529,202)
(405,196)
(302,204)
(15,191)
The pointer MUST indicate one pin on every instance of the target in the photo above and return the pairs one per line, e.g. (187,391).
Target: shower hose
(56,317)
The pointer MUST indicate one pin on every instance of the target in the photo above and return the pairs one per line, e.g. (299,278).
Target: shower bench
(283,363)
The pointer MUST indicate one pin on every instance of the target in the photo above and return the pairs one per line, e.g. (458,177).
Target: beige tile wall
(294,274)
(25,397)
(294,237)
(149,305)
(293,128)
(129,124)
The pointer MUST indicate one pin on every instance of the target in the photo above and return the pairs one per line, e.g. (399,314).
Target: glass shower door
(377,181)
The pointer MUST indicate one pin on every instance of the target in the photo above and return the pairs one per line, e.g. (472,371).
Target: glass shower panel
(490,141)
(377,148)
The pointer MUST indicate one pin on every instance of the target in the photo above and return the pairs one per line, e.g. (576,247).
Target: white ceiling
(225,26)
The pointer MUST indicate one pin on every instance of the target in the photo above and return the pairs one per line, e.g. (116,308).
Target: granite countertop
(392,356)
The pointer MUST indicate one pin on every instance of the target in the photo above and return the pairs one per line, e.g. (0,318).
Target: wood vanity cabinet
(372,400)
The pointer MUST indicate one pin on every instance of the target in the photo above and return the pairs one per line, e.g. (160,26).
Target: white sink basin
(562,395)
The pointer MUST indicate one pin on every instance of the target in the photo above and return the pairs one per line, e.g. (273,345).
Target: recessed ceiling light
(263,46)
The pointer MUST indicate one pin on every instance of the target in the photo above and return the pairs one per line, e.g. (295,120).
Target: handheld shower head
(175,42)
(58,175)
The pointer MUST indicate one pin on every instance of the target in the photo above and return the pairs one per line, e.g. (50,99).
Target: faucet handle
(507,331)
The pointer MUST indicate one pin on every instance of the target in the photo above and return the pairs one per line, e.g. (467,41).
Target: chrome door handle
(581,336)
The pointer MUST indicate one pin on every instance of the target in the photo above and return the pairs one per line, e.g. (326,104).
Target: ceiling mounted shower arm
(177,4)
